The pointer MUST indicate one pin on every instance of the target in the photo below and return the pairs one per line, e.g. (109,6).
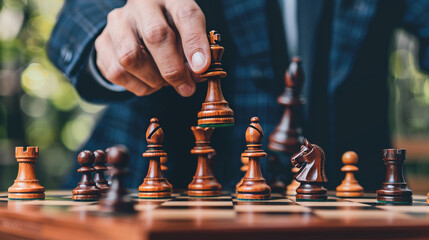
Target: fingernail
(198,61)
(186,89)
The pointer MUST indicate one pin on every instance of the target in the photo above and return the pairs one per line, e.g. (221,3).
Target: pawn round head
(254,132)
(100,157)
(350,157)
(154,133)
(118,156)
(85,158)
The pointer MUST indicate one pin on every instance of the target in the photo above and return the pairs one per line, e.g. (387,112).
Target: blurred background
(39,107)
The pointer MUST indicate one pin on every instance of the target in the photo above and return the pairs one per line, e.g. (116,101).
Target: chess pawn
(116,199)
(286,135)
(26,185)
(86,189)
(244,168)
(215,111)
(254,186)
(100,167)
(350,187)
(291,188)
(394,189)
(204,183)
(155,185)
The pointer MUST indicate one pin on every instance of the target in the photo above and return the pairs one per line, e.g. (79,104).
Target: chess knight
(312,174)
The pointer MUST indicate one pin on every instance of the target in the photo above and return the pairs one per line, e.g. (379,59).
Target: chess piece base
(154,195)
(26,196)
(85,197)
(253,196)
(204,193)
(311,192)
(89,193)
(397,194)
(349,194)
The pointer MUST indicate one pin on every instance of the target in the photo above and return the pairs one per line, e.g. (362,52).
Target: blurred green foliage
(38,107)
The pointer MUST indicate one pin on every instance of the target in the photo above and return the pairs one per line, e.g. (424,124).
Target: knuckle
(173,75)
(188,11)
(113,15)
(116,75)
(128,58)
(156,34)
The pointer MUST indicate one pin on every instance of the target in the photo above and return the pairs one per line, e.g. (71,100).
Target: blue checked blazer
(345,60)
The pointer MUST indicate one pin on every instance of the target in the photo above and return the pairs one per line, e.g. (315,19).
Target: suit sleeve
(71,48)
(416,21)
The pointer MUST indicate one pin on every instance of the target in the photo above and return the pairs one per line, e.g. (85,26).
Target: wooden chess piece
(215,111)
(254,186)
(394,189)
(350,187)
(427,201)
(116,199)
(26,185)
(100,167)
(86,190)
(286,135)
(291,188)
(204,183)
(155,185)
(275,165)
(312,174)
(244,168)
(164,168)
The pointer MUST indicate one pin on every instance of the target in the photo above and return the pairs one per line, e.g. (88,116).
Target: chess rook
(100,168)
(394,189)
(204,183)
(26,185)
(116,199)
(155,185)
(254,186)
(215,111)
(86,189)
(311,175)
(350,187)
(286,135)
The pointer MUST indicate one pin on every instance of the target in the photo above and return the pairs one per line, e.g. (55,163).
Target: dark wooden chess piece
(254,186)
(116,199)
(26,185)
(86,190)
(311,159)
(100,167)
(215,111)
(394,189)
(350,187)
(284,140)
(204,183)
(155,185)
(244,168)
(275,165)
(291,188)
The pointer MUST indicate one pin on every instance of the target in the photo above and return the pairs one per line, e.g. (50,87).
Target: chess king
(311,159)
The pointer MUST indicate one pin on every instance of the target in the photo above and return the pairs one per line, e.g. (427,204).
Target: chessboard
(222,217)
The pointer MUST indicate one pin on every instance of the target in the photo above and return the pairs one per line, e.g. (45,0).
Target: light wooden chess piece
(244,168)
(349,187)
(215,111)
(155,185)
(204,184)
(26,185)
(254,186)
(291,188)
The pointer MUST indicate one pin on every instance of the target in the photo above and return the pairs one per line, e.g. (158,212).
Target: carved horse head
(314,158)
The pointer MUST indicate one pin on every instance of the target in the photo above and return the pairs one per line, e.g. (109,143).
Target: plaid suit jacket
(345,62)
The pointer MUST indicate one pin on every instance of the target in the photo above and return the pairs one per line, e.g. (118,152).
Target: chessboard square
(202,199)
(280,201)
(330,203)
(190,214)
(198,203)
(345,215)
(344,208)
(405,208)
(270,208)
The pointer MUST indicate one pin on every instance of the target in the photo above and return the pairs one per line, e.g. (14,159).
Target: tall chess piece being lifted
(155,185)
(394,189)
(350,187)
(311,159)
(26,185)
(254,186)
(116,199)
(204,183)
(215,111)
